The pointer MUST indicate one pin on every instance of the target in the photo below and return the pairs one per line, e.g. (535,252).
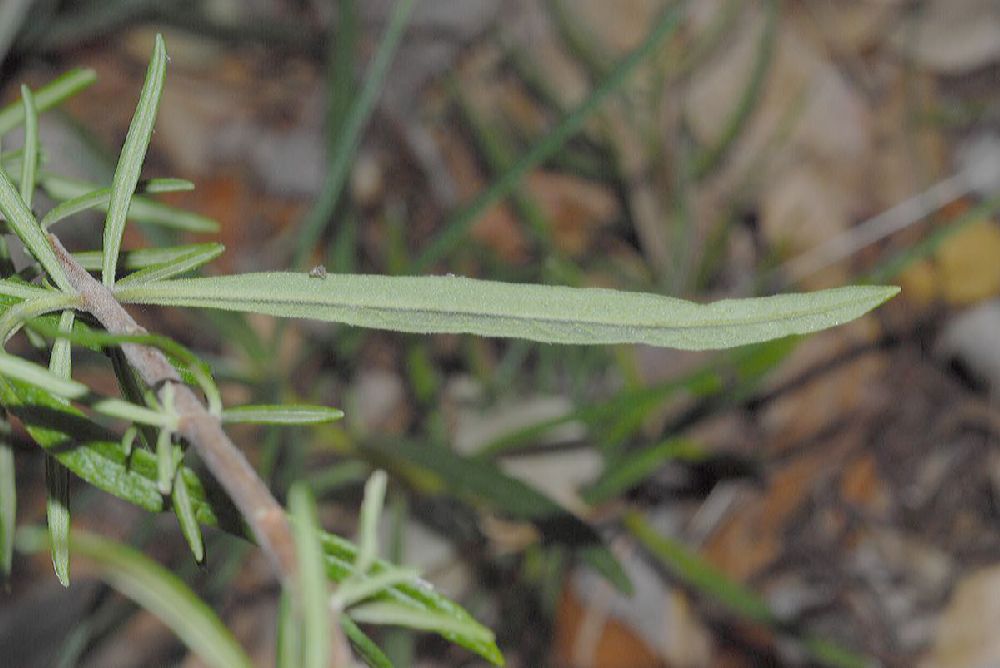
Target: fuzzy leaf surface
(550,314)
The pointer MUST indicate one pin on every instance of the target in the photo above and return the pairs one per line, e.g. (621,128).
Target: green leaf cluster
(92,436)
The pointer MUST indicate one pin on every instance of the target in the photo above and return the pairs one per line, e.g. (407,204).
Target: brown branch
(262,513)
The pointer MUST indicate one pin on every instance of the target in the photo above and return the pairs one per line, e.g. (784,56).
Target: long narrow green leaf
(186,518)
(712,155)
(456,229)
(183,264)
(281,414)
(15,287)
(536,312)
(29,163)
(157,590)
(17,368)
(96,454)
(141,210)
(288,653)
(8,500)
(97,458)
(354,591)
(370,653)
(48,96)
(313,591)
(141,258)
(371,512)
(634,468)
(391,613)
(130,162)
(483,483)
(20,313)
(57,511)
(21,221)
(697,573)
(100,198)
(57,516)
(191,368)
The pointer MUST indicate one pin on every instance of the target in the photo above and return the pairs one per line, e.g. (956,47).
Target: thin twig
(263,514)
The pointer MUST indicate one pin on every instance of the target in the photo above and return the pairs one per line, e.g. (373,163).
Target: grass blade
(482,483)
(350,135)
(455,231)
(693,570)
(130,162)
(281,414)
(632,469)
(536,312)
(48,96)
(713,155)
(697,573)
(313,592)
(157,590)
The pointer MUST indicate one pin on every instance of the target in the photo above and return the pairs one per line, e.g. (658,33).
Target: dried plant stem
(262,513)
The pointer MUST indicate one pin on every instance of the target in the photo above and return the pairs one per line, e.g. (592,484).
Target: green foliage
(69,421)
(550,314)
(156,589)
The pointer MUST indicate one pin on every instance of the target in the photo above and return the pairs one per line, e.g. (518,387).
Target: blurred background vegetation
(831,500)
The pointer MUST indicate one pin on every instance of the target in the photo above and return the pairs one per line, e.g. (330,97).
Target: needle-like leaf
(313,590)
(47,97)
(99,199)
(141,210)
(182,264)
(57,512)
(29,161)
(537,312)
(130,161)
(282,414)
(96,456)
(142,258)
(21,221)
(184,509)
(8,499)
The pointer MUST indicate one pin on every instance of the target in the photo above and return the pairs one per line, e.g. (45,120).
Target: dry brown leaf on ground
(967,631)
(952,36)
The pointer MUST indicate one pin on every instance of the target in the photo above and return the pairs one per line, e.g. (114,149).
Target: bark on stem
(263,514)
(265,517)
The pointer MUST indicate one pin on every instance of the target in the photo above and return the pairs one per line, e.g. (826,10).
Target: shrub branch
(263,514)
